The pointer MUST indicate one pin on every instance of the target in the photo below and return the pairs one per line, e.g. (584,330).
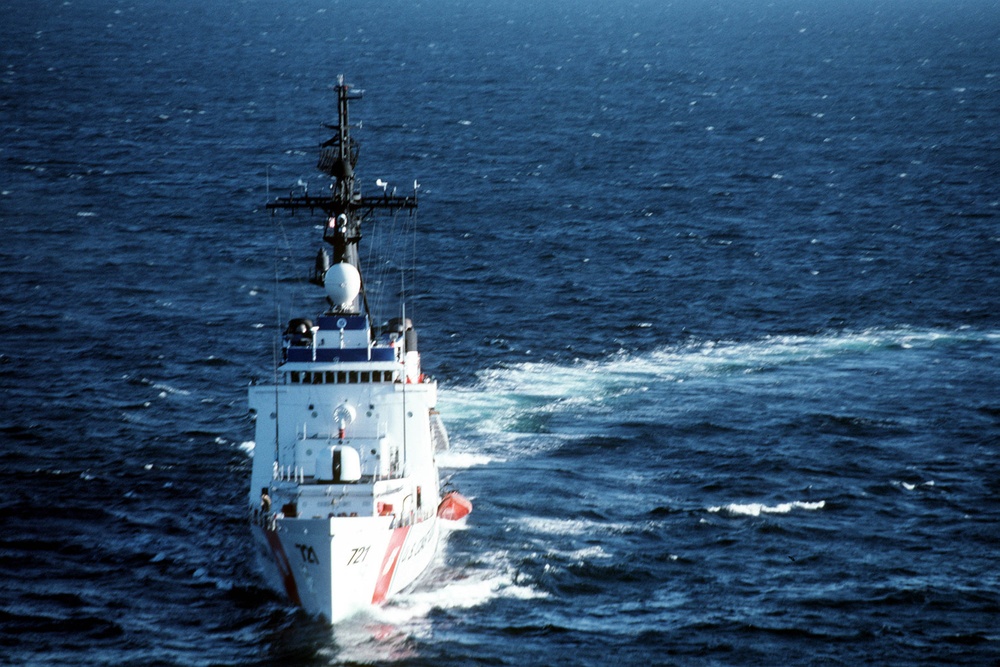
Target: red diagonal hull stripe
(389,562)
(283,566)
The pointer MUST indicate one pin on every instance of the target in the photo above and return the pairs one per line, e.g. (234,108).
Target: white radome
(343,283)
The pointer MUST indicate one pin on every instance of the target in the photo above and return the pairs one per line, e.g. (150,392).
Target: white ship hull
(344,491)
(335,568)
(355,500)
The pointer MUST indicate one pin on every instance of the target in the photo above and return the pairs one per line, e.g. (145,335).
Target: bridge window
(340,377)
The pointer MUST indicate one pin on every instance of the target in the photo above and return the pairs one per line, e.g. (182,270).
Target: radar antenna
(345,207)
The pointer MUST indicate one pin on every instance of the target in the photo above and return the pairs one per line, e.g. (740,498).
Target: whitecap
(167,389)
(756,509)
(911,486)
(582,555)
(569,527)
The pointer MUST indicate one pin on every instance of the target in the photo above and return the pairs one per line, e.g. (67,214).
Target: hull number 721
(358,556)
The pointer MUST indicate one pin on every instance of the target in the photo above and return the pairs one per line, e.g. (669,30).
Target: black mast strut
(344,207)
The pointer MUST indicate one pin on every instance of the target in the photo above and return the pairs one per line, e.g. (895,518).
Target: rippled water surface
(712,290)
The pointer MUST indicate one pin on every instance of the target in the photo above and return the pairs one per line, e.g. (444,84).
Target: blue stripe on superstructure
(347,354)
(351,322)
(337,354)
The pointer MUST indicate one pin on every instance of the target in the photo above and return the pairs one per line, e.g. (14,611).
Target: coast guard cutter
(345,496)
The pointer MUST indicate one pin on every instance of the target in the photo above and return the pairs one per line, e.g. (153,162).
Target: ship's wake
(531,407)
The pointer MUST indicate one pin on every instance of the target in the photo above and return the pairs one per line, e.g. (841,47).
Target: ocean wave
(909,486)
(756,509)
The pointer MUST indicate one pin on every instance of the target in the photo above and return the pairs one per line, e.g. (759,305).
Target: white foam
(456,595)
(581,555)
(539,386)
(453,525)
(248,446)
(569,527)
(756,509)
(453,459)
(529,408)
(566,527)
(450,588)
(385,634)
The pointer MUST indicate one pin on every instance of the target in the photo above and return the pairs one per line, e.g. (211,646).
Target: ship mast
(344,207)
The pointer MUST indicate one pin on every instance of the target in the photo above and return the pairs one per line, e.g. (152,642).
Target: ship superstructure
(345,494)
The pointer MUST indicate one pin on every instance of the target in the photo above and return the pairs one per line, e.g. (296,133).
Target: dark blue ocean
(711,288)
